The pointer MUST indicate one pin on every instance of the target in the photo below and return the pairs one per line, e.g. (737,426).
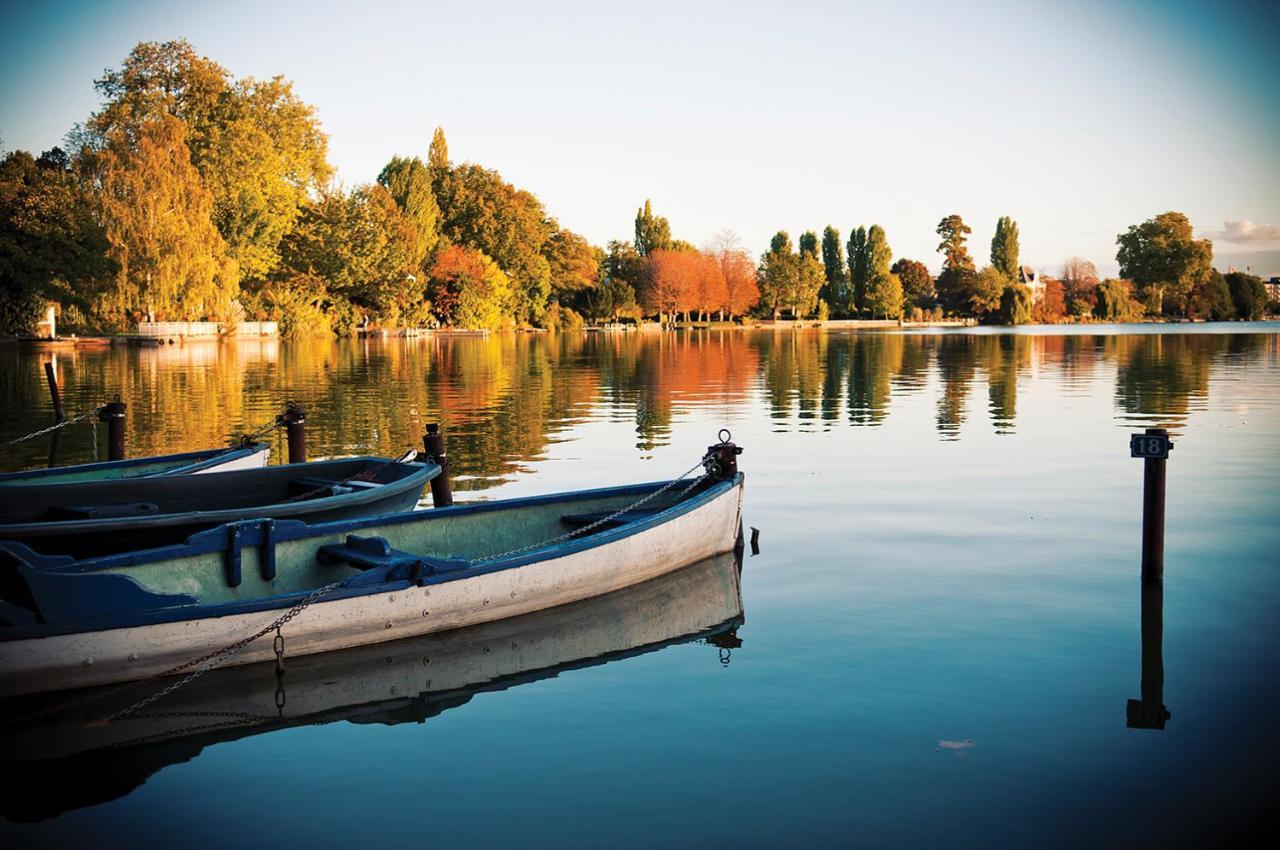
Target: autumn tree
(1211,299)
(1164,260)
(712,289)
(482,211)
(574,263)
(917,283)
(833,267)
(1079,284)
(173,264)
(52,246)
(859,269)
(1116,302)
(1052,306)
(955,234)
(438,153)
(1004,249)
(671,282)
(739,273)
(258,149)
(467,289)
(653,232)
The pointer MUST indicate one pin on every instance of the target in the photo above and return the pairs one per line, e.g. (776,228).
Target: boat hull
(709,527)
(253,456)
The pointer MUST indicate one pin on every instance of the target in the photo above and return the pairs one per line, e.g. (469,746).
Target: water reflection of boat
(71,757)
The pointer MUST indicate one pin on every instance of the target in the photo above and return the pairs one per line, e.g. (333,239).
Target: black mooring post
(58,415)
(294,421)
(441,486)
(1153,447)
(112,413)
(1150,712)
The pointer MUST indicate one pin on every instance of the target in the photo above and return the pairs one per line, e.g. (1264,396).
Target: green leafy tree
(1004,249)
(52,247)
(1164,260)
(408,180)
(438,152)
(1248,294)
(859,268)
(653,232)
(613,299)
(1211,299)
(917,283)
(833,267)
(884,289)
(810,277)
(1016,304)
(1115,302)
(987,293)
(622,262)
(777,274)
(809,244)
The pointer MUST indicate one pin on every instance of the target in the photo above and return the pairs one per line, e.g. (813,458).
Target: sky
(1077,119)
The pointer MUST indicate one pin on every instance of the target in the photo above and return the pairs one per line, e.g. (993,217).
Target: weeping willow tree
(173,264)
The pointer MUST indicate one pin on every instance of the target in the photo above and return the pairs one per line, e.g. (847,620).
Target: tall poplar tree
(653,232)
(1004,248)
(859,267)
(884,289)
(833,266)
(809,244)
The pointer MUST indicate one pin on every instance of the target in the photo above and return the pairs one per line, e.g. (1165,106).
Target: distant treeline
(192,195)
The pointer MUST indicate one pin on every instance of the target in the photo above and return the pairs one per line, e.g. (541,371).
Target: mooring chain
(217,657)
(55,426)
(705,463)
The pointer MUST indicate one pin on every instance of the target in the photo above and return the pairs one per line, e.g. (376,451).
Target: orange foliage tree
(1052,305)
(739,272)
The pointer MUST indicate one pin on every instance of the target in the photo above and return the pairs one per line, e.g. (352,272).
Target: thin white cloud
(1245,232)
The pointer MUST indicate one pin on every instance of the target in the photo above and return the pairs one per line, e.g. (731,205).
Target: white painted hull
(117,655)
(254,460)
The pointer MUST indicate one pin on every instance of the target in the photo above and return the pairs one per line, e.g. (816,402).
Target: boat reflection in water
(70,757)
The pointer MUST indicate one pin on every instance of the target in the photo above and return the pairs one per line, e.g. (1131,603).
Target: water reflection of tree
(793,371)
(1003,357)
(956,367)
(1162,377)
(875,362)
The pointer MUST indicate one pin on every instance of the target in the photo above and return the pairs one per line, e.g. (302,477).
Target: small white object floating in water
(966,744)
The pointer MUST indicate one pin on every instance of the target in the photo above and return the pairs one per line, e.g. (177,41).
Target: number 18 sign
(1150,446)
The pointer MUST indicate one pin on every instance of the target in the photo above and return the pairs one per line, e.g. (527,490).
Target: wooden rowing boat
(92,518)
(72,623)
(76,750)
(249,456)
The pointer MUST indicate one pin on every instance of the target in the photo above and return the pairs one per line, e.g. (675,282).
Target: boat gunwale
(226,516)
(217,540)
(200,459)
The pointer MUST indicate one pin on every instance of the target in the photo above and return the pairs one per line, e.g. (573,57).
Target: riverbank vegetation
(195,195)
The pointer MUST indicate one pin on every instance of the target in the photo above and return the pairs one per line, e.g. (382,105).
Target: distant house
(1273,288)
(1032,281)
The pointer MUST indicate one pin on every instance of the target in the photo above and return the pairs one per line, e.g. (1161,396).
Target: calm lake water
(935,646)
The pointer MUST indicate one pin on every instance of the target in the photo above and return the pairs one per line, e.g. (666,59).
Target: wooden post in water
(294,421)
(112,413)
(441,486)
(58,416)
(1153,447)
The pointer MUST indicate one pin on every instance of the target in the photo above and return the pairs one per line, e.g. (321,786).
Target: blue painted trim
(186,463)
(396,577)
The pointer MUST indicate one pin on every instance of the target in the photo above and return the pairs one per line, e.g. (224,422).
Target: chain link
(217,657)
(55,426)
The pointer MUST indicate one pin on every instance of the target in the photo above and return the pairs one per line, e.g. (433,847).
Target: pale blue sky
(1077,119)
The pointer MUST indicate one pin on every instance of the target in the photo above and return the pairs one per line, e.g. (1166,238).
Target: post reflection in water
(505,399)
(1149,712)
(70,756)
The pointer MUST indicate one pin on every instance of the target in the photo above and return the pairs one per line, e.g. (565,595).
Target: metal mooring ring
(725,436)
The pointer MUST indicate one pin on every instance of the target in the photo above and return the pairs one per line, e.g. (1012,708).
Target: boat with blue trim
(68,623)
(92,518)
(246,455)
